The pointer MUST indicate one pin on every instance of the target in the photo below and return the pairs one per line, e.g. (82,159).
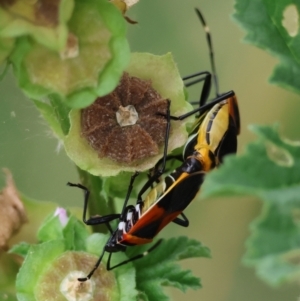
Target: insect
(213,136)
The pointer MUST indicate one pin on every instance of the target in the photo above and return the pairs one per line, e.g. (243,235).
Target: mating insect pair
(213,136)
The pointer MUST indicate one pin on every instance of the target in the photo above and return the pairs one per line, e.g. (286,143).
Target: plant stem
(97,204)
(62,113)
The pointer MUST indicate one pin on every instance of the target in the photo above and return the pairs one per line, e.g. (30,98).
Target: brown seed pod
(59,281)
(12,213)
(125,125)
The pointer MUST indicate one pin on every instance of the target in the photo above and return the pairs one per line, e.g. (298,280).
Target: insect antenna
(211,51)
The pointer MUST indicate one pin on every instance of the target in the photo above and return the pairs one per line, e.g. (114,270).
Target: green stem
(97,204)
(62,113)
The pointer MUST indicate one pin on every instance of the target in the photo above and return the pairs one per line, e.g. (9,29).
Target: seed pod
(60,282)
(152,76)
(12,214)
(51,268)
(88,64)
(125,125)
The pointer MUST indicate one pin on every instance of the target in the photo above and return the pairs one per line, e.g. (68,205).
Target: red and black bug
(214,135)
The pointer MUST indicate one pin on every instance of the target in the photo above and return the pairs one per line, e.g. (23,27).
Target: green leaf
(273,26)
(20,249)
(69,228)
(50,229)
(38,212)
(95,243)
(75,234)
(270,170)
(159,268)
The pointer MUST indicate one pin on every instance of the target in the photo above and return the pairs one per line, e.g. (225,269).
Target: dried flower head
(12,215)
(125,125)
(142,130)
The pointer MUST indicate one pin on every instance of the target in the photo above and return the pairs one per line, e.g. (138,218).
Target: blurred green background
(41,170)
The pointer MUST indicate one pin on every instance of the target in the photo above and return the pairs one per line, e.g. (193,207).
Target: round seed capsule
(125,125)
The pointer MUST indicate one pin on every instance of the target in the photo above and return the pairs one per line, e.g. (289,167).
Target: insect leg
(132,258)
(184,222)
(159,171)
(129,190)
(202,76)
(94,268)
(94,220)
(210,47)
(206,106)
